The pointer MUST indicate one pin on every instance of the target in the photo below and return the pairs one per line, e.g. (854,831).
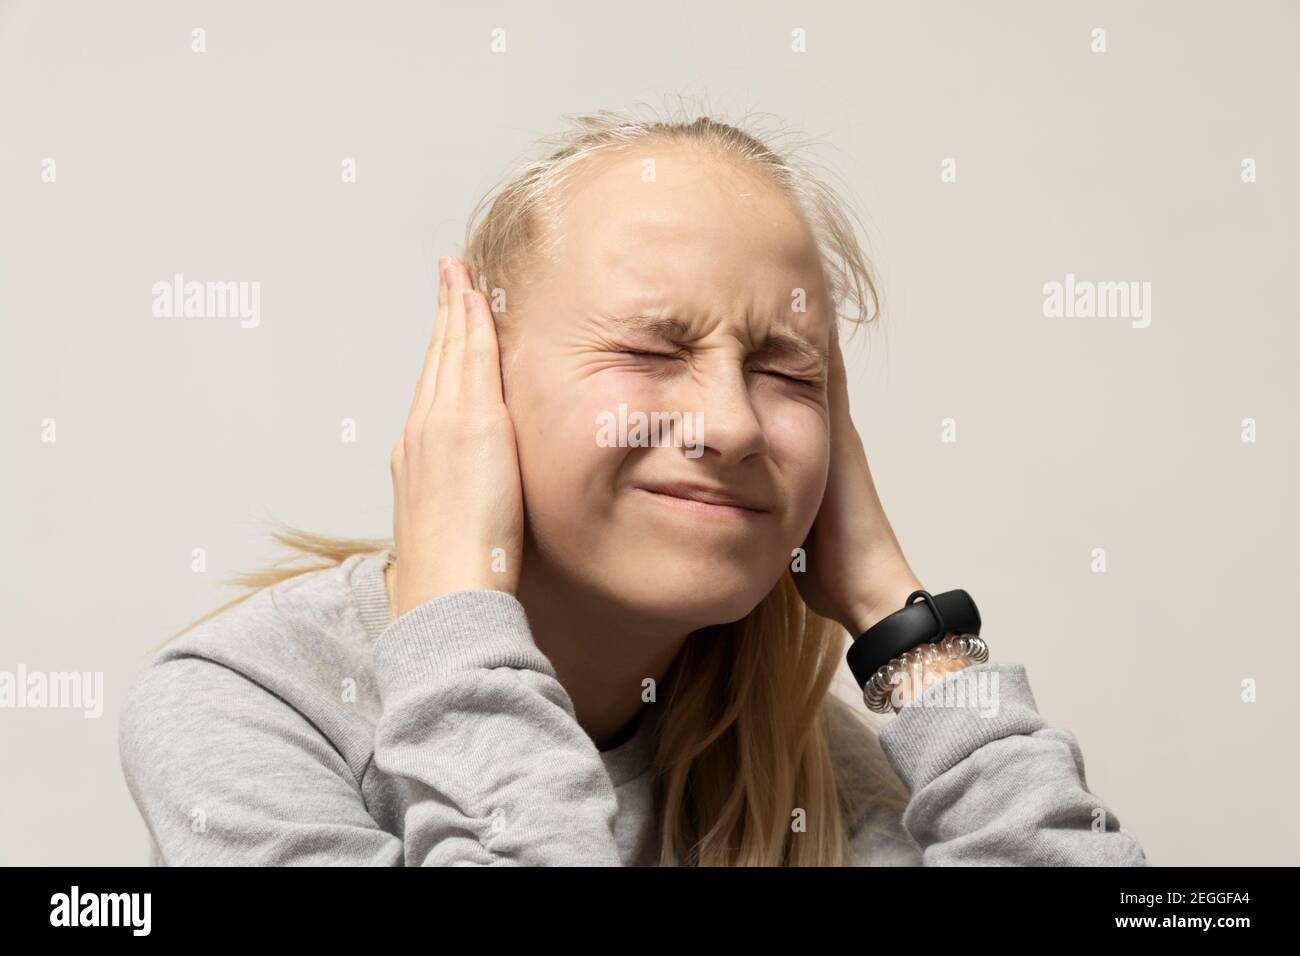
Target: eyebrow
(778,343)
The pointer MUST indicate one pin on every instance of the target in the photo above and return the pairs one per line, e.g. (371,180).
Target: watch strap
(929,620)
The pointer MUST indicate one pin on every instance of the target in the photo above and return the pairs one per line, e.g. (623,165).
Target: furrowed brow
(778,343)
(673,330)
(783,343)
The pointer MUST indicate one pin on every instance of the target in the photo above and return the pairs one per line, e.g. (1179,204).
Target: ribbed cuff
(952,719)
(371,593)
(464,630)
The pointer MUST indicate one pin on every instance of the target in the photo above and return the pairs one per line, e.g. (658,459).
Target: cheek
(568,476)
(799,443)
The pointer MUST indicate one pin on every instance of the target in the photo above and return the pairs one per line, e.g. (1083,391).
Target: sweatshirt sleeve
(992,784)
(478,733)
(494,765)
(226,773)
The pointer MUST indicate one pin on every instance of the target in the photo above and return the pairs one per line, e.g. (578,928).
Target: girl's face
(719,252)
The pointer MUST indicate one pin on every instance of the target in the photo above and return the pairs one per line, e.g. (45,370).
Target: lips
(708,495)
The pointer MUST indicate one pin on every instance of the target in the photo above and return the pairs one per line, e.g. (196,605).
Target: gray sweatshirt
(304,726)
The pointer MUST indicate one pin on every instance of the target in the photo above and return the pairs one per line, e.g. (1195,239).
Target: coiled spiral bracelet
(934,633)
(911,665)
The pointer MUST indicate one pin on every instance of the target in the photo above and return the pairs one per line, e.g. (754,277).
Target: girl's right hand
(458,517)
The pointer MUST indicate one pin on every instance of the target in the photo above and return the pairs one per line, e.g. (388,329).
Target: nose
(730,429)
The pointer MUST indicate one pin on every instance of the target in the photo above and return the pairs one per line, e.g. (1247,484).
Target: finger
(837,384)
(482,352)
(451,363)
(837,373)
(424,388)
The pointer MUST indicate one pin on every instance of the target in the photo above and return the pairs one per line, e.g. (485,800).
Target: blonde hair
(744,741)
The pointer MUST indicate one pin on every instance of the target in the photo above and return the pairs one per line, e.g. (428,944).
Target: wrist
(866,612)
(406,594)
(898,656)
(914,681)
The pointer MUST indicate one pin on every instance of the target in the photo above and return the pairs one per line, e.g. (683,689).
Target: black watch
(929,621)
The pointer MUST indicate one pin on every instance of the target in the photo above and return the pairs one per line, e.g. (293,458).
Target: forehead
(671,226)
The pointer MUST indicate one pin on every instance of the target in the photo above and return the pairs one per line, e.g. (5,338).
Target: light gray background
(1072,433)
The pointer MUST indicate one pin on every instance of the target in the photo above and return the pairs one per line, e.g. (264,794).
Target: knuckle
(412,435)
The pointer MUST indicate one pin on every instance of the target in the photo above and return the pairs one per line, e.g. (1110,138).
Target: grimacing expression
(719,253)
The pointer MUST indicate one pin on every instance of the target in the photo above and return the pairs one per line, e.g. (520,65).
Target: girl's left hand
(856,573)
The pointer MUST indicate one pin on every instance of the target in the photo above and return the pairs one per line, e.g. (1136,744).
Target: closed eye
(648,354)
(798,380)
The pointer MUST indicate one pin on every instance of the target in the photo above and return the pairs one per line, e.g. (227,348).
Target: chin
(696,594)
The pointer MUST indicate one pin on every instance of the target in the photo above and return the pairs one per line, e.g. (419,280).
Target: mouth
(704,500)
